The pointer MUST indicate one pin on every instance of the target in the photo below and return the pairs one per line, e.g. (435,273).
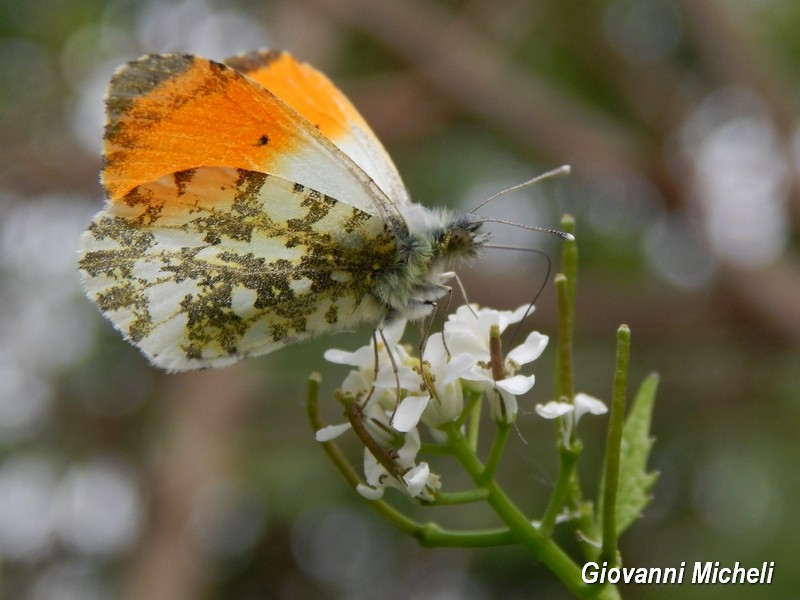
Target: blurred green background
(679,118)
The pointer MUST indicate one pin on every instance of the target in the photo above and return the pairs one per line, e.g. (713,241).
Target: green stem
(564,375)
(474,405)
(566,284)
(545,549)
(568,457)
(496,451)
(463,497)
(616,422)
(432,535)
(588,536)
(438,449)
(570,264)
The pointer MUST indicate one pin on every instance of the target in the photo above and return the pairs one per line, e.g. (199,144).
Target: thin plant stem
(568,449)
(568,457)
(616,423)
(474,420)
(570,265)
(496,451)
(564,379)
(566,284)
(464,497)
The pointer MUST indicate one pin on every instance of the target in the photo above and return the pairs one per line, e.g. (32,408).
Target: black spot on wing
(182,179)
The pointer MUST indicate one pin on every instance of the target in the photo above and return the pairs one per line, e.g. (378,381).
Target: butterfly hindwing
(205,280)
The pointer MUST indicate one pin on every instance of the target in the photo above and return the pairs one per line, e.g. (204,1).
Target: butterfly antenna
(562,170)
(563,235)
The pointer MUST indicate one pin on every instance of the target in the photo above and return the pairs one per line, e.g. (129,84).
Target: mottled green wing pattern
(210,265)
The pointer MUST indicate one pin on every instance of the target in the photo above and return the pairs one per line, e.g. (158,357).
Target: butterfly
(250,206)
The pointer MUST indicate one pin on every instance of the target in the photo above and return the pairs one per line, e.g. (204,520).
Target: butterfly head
(461,240)
(434,244)
(453,239)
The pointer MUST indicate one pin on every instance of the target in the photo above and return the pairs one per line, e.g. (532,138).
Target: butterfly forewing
(170,113)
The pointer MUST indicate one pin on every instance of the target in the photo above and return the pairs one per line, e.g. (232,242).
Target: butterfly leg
(425,330)
(449,292)
(395,370)
(427,324)
(463,291)
(375,368)
(375,333)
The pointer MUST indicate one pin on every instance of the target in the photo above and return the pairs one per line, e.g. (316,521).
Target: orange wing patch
(323,106)
(171,113)
(303,88)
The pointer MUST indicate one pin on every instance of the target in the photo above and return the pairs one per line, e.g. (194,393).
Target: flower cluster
(401,392)
(403,404)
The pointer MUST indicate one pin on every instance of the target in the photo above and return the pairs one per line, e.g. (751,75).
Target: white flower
(364,360)
(553,409)
(447,401)
(364,357)
(355,384)
(375,414)
(583,404)
(417,480)
(528,351)
(407,415)
(468,331)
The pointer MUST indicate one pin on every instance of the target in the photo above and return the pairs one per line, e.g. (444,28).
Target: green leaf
(634,480)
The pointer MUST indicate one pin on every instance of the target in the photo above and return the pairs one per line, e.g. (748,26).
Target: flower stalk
(616,423)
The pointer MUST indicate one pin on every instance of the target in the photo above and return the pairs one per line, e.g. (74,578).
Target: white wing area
(364,148)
